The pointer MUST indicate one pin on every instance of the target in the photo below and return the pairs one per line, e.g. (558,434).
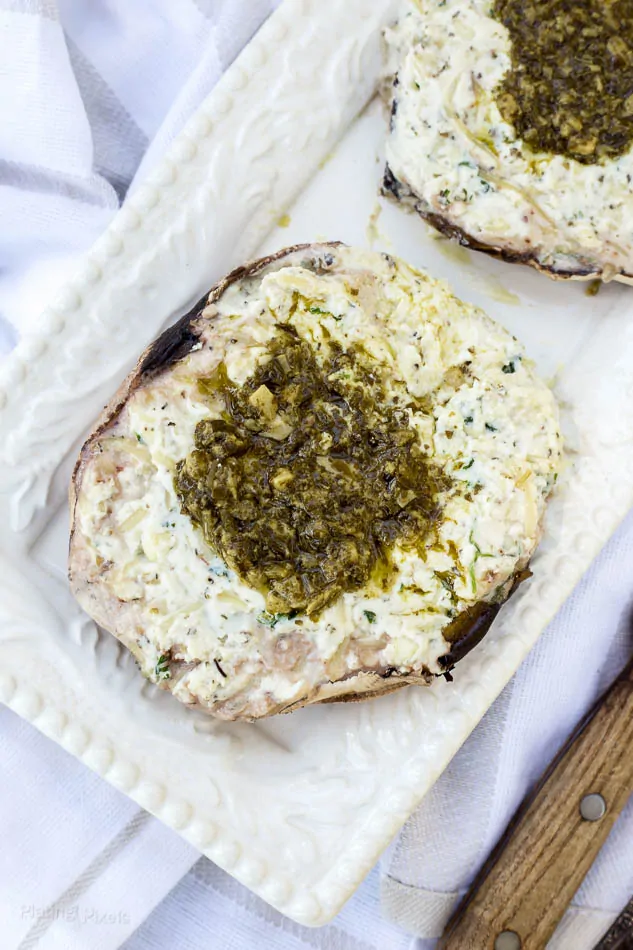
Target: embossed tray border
(241,159)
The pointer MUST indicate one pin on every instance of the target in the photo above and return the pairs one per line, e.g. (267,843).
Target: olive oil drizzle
(310,477)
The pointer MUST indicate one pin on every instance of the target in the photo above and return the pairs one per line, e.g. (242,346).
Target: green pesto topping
(570,88)
(309,478)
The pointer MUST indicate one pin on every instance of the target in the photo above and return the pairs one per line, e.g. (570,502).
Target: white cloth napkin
(80,865)
(91,91)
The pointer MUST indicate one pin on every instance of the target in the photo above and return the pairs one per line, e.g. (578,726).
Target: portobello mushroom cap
(200,536)
(503,144)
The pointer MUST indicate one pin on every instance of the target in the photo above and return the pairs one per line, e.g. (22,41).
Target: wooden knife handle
(537,867)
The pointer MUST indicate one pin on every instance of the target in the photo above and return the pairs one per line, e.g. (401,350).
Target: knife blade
(619,936)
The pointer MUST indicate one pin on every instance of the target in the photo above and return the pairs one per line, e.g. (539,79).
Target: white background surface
(80,866)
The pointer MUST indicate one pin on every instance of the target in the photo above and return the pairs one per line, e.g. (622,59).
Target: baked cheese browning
(570,88)
(310,477)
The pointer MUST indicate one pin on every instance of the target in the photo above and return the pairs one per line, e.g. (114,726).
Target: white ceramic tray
(298,807)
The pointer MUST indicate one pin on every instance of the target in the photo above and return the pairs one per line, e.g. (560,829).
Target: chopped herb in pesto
(271,620)
(570,87)
(478,553)
(371,616)
(219,570)
(309,478)
(473,578)
(446,580)
(161,670)
(508,368)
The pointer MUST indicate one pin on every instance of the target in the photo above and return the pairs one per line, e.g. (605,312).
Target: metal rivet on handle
(593,807)
(508,940)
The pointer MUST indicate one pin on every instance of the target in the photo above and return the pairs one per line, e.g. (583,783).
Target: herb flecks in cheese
(311,476)
(446,375)
(570,88)
(469,146)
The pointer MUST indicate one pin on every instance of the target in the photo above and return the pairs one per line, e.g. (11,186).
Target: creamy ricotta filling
(478,409)
(450,145)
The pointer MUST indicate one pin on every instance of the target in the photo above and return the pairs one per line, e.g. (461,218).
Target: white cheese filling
(451,146)
(493,427)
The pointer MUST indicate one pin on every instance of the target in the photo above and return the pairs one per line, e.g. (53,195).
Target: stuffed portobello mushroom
(511,129)
(321,484)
